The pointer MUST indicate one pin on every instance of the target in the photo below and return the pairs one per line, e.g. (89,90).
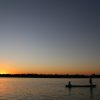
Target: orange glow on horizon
(3,72)
(47,72)
(13,68)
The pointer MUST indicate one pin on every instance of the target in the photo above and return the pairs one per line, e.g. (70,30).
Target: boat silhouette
(91,86)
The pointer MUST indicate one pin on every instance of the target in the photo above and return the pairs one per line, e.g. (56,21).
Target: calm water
(46,89)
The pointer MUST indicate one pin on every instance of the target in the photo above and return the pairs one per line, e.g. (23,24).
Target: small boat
(91,86)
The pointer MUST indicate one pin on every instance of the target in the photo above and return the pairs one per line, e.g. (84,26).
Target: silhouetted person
(69,84)
(90,81)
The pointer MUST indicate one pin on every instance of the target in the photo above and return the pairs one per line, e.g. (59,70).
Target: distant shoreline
(47,76)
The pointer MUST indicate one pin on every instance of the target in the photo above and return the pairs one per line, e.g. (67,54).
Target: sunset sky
(50,36)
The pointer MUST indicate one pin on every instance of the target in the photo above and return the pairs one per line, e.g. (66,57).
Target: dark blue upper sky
(54,34)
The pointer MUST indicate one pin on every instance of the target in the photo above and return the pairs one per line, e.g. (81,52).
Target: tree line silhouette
(49,76)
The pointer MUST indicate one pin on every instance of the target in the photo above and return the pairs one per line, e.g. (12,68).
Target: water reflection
(69,90)
(91,92)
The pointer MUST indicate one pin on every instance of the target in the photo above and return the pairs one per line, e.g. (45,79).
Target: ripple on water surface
(46,89)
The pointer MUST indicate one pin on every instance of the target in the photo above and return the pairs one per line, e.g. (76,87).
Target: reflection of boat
(91,86)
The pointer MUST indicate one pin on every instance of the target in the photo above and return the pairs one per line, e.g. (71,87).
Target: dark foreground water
(46,89)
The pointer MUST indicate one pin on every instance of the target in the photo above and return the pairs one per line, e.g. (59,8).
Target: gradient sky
(50,36)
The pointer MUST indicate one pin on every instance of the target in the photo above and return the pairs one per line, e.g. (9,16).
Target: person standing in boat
(90,81)
(69,84)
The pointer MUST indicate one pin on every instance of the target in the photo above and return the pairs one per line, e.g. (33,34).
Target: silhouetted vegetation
(48,76)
